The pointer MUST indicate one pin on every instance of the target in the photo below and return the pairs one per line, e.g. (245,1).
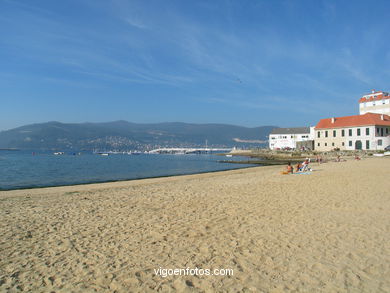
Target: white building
(377,102)
(287,138)
(360,132)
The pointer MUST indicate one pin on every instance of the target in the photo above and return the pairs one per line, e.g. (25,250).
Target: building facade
(377,102)
(360,132)
(287,138)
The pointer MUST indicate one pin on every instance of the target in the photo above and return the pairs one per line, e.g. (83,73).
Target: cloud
(135,23)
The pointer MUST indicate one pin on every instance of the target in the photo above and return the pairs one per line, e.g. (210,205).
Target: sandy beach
(324,232)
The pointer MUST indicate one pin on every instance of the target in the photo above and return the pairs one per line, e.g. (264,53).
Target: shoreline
(323,232)
(125,180)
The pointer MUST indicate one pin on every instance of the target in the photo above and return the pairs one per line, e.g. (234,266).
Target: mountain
(123,135)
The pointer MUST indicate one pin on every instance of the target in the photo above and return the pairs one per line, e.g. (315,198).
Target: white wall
(324,143)
(375,111)
(379,107)
(288,140)
(372,137)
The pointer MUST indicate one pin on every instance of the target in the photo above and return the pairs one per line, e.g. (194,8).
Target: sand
(324,232)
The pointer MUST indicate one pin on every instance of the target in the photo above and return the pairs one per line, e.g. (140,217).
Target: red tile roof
(357,120)
(379,96)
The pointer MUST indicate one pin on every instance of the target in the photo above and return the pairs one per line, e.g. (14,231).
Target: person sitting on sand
(289,169)
(298,167)
(305,165)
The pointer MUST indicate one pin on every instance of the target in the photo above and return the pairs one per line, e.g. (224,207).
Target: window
(387,131)
(350,132)
(332,143)
(318,144)
(377,130)
(343,132)
(367,131)
(342,144)
(334,133)
(350,143)
(358,132)
(367,144)
(318,134)
(326,144)
(326,133)
(379,142)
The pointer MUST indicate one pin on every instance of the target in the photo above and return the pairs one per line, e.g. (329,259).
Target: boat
(58,153)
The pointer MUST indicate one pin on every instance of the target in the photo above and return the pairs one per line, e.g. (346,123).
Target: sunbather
(289,169)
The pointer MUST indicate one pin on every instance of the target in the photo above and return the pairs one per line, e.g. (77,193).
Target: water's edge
(121,180)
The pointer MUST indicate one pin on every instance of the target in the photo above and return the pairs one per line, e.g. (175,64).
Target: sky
(244,62)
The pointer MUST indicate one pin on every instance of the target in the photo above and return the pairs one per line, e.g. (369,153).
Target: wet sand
(324,232)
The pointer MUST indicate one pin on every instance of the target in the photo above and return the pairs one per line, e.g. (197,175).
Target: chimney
(382,117)
(333,119)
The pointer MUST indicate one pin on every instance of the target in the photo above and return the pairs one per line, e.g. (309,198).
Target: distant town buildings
(289,138)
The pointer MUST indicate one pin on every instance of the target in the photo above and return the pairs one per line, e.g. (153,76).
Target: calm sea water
(24,170)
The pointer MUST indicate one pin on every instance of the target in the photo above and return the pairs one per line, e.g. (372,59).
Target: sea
(31,169)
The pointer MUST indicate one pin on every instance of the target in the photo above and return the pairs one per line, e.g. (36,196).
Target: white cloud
(135,23)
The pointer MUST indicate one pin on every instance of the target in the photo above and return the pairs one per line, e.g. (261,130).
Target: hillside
(123,135)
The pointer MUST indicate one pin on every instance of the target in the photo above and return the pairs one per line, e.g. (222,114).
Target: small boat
(229,156)
(58,153)
(104,154)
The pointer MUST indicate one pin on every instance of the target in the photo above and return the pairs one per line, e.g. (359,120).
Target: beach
(327,231)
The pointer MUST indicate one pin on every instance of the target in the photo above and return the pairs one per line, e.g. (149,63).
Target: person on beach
(289,169)
(305,165)
(298,167)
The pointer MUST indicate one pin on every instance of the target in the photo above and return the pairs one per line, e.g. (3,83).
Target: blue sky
(250,63)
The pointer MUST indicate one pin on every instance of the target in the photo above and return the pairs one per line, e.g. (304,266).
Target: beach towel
(285,173)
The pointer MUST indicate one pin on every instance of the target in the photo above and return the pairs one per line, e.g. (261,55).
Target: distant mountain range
(123,135)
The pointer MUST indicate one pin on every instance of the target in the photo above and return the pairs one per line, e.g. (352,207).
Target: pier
(186,151)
